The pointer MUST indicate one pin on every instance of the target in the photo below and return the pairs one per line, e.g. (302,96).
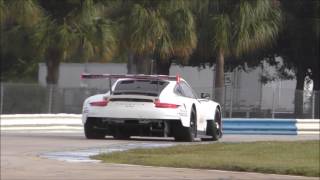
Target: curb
(230,125)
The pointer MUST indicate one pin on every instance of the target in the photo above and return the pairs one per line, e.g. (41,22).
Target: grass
(294,158)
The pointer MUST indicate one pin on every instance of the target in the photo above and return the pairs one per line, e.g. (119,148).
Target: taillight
(99,103)
(159,104)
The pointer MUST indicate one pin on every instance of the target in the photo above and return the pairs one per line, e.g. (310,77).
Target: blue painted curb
(259,126)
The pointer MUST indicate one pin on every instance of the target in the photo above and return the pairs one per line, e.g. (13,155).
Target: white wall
(200,79)
(69,74)
(279,94)
(248,93)
(247,88)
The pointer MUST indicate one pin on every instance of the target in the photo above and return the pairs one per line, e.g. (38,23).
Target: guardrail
(271,126)
(230,125)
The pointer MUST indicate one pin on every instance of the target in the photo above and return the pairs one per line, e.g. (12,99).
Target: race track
(30,155)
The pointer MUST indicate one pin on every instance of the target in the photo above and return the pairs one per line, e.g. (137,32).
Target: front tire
(214,126)
(90,132)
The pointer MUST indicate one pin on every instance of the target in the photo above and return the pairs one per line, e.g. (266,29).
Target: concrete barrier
(230,125)
(40,119)
(41,122)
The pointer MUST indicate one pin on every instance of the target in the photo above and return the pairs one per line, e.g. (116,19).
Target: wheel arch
(210,122)
(220,121)
(194,107)
(212,116)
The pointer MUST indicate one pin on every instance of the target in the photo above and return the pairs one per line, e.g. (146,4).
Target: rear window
(143,87)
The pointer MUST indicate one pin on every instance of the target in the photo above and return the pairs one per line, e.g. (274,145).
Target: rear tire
(188,134)
(90,132)
(214,126)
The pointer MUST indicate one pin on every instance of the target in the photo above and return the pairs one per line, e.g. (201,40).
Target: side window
(178,90)
(187,90)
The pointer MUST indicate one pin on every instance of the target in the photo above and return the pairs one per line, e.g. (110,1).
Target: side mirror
(205,95)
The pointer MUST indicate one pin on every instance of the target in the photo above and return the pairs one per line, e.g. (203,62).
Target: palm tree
(159,30)
(96,37)
(299,46)
(182,31)
(240,27)
(18,57)
(81,33)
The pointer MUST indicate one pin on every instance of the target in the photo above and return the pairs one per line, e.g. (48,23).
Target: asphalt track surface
(22,158)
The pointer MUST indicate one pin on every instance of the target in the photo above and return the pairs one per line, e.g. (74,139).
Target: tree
(236,28)
(18,57)
(80,32)
(55,31)
(299,46)
(159,30)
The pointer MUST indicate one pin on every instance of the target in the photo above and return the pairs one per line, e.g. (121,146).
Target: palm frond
(222,32)
(183,33)
(164,47)
(65,39)
(94,37)
(145,27)
(107,40)
(44,34)
(3,13)
(88,12)
(164,28)
(167,7)
(259,24)
(26,12)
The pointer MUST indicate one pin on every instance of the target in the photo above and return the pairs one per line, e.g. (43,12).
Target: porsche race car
(150,105)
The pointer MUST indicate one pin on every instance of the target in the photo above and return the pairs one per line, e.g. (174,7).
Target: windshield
(143,87)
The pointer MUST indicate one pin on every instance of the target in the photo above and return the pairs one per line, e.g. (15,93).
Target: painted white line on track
(44,131)
(12,122)
(14,128)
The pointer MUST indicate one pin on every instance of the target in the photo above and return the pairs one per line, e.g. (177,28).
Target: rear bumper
(141,113)
(136,127)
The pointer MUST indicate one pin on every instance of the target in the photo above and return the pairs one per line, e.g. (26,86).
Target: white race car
(150,105)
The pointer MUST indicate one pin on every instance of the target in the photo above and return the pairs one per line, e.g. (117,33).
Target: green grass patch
(294,158)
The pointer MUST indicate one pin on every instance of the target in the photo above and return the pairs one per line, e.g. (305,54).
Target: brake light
(178,78)
(99,103)
(159,104)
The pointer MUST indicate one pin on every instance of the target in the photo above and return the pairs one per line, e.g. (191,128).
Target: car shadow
(146,139)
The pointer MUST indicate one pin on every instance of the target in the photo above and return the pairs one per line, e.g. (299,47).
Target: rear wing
(133,76)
